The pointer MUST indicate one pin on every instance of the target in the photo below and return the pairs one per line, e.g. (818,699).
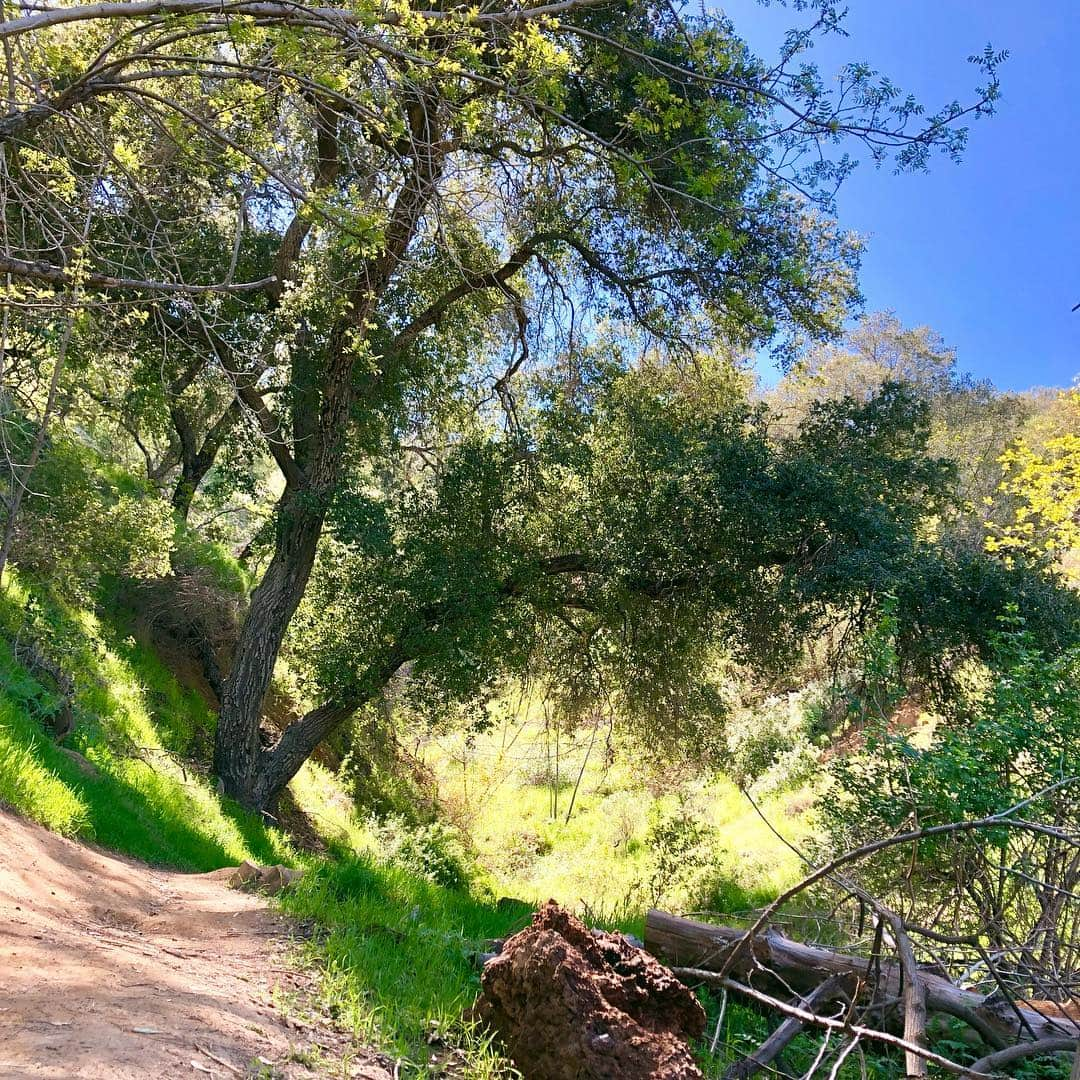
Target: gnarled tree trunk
(273,604)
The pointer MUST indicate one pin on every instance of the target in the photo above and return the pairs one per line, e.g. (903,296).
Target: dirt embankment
(109,968)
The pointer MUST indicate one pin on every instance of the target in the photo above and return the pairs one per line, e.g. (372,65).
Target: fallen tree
(781,964)
(886,991)
(776,964)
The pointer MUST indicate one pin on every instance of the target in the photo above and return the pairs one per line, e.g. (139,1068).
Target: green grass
(500,787)
(31,775)
(137,730)
(398,957)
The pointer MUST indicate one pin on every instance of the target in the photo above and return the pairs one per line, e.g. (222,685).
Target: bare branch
(56,275)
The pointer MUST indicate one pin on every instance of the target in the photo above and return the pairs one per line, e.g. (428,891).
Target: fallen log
(778,965)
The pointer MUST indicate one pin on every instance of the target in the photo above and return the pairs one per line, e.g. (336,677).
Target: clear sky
(987,251)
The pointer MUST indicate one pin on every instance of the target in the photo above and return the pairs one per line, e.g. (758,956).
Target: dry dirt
(112,970)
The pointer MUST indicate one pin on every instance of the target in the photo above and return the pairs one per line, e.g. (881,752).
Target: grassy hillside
(130,776)
(130,783)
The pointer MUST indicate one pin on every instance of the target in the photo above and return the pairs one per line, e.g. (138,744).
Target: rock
(270,879)
(243,876)
(85,766)
(570,1004)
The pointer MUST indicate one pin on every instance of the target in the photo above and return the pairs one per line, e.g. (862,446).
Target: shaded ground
(110,968)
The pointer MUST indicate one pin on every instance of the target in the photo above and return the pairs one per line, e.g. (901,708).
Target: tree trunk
(191,476)
(248,775)
(278,765)
(195,460)
(778,964)
(273,603)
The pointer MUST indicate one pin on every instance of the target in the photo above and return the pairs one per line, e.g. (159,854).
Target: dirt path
(114,971)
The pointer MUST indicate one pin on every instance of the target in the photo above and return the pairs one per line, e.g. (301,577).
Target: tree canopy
(317,236)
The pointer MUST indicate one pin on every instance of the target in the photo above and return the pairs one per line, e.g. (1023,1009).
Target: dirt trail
(110,969)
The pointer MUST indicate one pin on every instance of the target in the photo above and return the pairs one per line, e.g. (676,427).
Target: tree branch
(290,14)
(57,275)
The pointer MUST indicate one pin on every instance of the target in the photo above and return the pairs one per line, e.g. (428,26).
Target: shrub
(683,853)
(80,527)
(770,745)
(1011,734)
(435,851)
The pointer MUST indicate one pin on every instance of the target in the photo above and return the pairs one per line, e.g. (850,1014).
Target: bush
(770,745)
(436,851)
(1012,733)
(683,853)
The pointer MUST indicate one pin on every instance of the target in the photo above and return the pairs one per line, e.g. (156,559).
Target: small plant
(434,851)
(682,848)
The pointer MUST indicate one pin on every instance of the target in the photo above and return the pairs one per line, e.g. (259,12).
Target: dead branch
(831,989)
(780,964)
(807,1017)
(996,1061)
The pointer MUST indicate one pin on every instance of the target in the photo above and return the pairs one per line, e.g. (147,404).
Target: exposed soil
(109,968)
(571,1003)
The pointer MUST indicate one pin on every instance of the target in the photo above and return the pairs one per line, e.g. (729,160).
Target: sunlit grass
(399,957)
(132,786)
(593,855)
(30,780)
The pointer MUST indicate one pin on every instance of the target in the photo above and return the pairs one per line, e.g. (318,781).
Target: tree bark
(279,764)
(195,460)
(273,604)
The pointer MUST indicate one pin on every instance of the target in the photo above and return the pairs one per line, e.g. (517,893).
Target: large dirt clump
(571,1003)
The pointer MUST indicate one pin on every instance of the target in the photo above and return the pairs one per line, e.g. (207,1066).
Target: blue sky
(988,251)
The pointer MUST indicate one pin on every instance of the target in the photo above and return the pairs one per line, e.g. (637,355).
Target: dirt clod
(575,1004)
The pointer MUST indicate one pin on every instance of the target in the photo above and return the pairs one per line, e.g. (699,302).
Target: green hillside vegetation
(406,906)
(133,787)
(430,852)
